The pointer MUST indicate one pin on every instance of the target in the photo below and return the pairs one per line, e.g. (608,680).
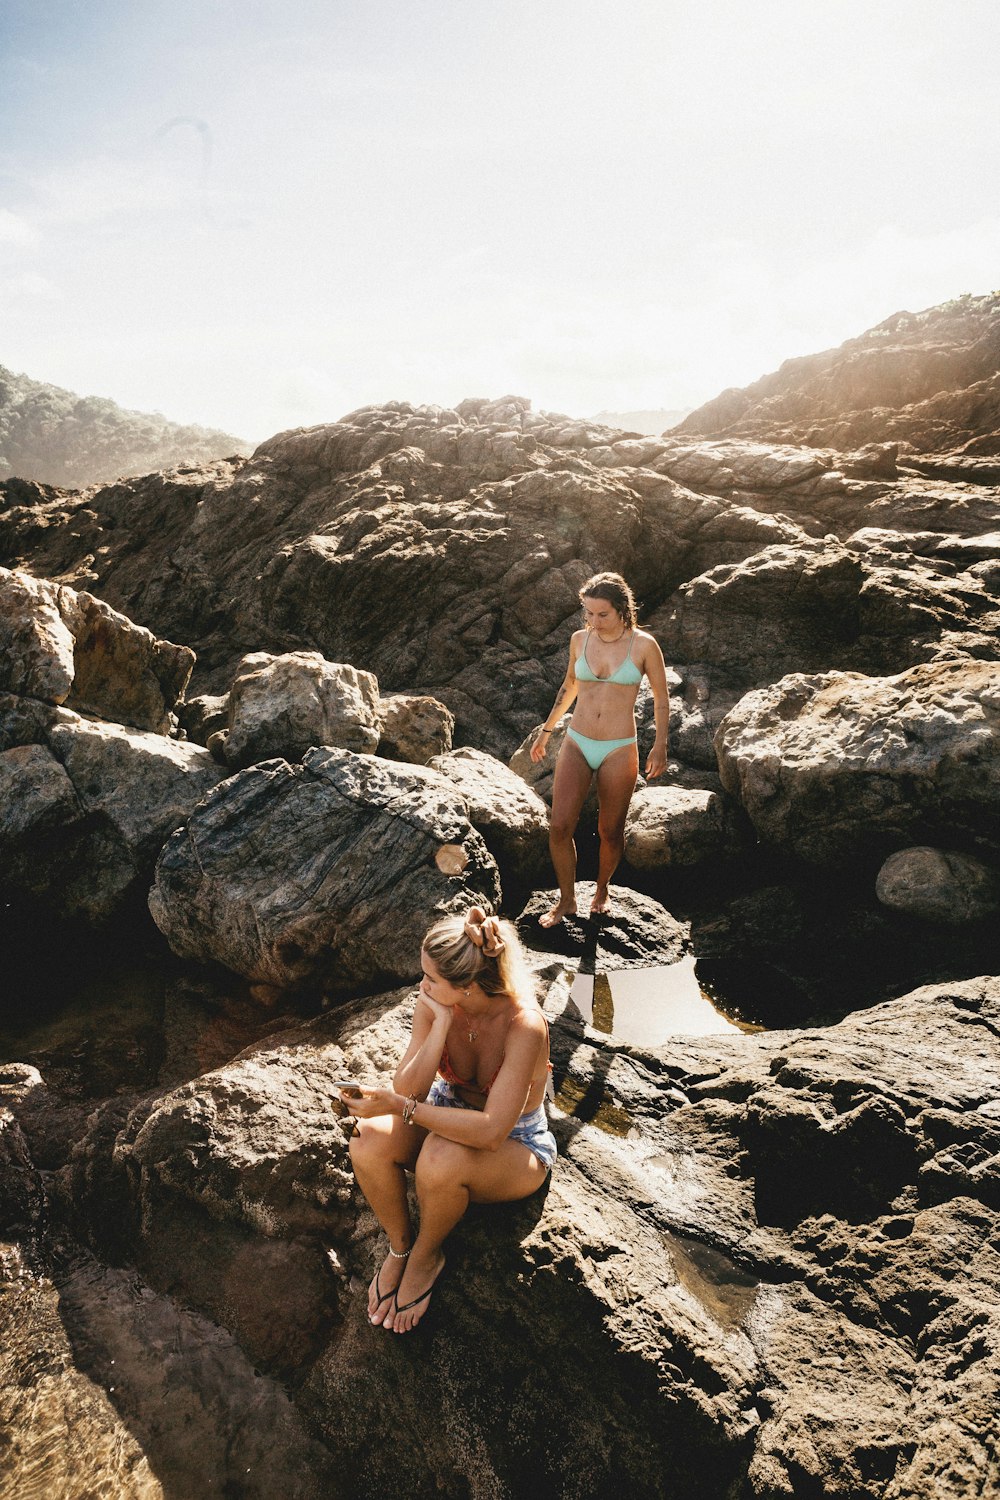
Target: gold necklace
(472,1034)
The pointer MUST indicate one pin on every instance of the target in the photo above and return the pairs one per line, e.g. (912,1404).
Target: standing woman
(607,661)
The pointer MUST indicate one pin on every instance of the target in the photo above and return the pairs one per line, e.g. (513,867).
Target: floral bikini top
(447,1071)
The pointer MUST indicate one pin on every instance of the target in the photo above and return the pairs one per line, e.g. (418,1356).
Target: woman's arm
(430,1026)
(564,698)
(485,1129)
(655,670)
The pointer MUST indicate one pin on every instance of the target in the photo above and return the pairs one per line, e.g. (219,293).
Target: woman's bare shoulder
(528,1018)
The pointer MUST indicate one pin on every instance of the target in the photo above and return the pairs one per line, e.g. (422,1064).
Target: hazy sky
(258,214)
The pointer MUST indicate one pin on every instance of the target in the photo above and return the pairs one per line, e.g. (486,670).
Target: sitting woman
(476,1134)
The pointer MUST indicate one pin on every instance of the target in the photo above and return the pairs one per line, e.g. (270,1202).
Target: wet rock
(414,727)
(283,705)
(939,885)
(58,1425)
(513,820)
(837,766)
(671,825)
(87,807)
(326,874)
(61,646)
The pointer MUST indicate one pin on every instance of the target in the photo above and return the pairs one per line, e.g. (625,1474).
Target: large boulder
(86,807)
(837,766)
(283,705)
(414,727)
(512,819)
(669,826)
(61,646)
(939,885)
(325,874)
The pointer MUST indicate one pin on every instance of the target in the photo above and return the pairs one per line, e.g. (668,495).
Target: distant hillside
(929,379)
(57,437)
(650,422)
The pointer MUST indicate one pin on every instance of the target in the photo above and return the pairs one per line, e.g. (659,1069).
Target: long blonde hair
(462,962)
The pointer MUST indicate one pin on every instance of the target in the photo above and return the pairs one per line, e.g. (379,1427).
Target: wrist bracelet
(409,1108)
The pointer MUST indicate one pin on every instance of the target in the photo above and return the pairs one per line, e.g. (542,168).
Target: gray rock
(838,766)
(325,874)
(61,646)
(86,806)
(414,727)
(670,825)
(513,820)
(939,885)
(283,705)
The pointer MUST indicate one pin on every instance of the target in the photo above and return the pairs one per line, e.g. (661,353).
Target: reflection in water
(644,1007)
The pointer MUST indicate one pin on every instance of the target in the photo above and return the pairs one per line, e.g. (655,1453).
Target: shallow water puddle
(724,1289)
(644,1007)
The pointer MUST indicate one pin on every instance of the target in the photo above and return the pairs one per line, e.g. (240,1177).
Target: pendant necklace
(471,1034)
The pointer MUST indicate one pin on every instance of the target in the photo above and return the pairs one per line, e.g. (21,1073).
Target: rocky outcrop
(283,705)
(324,875)
(61,646)
(929,379)
(838,767)
(468,532)
(87,807)
(783,1285)
(819,605)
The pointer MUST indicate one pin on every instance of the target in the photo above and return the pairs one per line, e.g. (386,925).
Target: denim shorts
(531,1129)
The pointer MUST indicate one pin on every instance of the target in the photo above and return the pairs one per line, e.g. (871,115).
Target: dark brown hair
(613,588)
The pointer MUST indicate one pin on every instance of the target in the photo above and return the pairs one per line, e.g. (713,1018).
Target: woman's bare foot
(383,1286)
(415,1290)
(555,914)
(601,902)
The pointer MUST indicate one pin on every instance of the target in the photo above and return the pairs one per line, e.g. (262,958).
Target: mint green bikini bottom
(595,752)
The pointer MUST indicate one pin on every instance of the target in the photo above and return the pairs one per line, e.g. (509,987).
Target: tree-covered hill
(58,437)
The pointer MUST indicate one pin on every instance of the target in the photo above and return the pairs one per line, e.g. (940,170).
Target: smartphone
(349,1087)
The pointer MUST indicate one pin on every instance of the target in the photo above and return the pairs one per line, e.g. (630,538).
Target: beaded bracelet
(408,1109)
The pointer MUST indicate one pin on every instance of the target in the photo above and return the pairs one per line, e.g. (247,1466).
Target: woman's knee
(373,1141)
(611,831)
(562,829)
(440,1161)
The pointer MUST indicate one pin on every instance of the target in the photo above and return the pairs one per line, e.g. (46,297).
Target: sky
(261,214)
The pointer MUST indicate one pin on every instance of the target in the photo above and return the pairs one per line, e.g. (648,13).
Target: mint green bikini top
(628,672)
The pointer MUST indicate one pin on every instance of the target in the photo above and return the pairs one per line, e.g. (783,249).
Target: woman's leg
(569,792)
(449,1178)
(380,1154)
(616,778)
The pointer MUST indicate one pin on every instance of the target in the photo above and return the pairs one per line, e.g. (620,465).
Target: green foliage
(57,437)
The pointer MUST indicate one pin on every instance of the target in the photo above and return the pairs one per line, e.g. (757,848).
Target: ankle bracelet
(398,1254)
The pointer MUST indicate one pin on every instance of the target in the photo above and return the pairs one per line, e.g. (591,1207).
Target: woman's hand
(540,744)
(372,1102)
(438,1011)
(656,762)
